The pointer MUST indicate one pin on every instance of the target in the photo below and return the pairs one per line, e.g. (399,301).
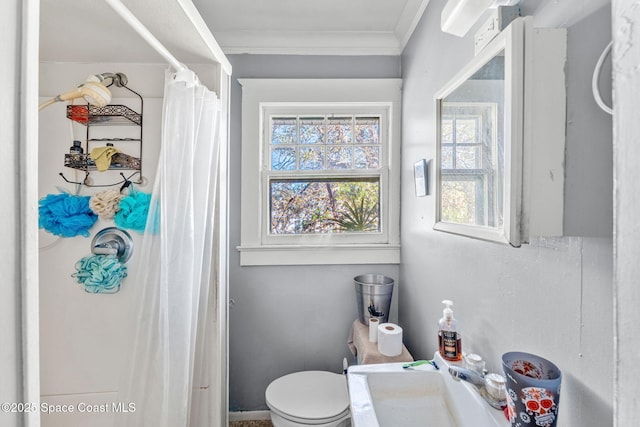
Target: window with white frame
(320,178)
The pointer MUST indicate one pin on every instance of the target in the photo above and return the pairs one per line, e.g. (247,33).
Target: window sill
(319,255)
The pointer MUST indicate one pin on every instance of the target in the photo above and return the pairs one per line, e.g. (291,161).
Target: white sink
(386,395)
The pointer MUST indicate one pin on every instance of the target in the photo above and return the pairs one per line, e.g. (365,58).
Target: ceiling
(90,31)
(331,27)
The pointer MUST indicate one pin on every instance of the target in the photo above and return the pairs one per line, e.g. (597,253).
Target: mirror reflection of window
(472,149)
(469,164)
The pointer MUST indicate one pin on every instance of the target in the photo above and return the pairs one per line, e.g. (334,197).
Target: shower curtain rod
(139,27)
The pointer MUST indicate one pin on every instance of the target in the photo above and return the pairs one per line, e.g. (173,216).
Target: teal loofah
(100,274)
(133,211)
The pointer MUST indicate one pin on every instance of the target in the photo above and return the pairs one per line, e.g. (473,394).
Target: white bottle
(449,341)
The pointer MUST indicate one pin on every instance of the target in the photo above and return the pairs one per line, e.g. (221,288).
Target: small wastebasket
(373,295)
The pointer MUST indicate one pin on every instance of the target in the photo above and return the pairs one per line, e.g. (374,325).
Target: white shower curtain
(176,278)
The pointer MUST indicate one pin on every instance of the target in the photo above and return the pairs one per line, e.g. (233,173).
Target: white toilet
(309,398)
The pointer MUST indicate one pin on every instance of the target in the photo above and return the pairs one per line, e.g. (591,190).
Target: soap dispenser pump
(449,341)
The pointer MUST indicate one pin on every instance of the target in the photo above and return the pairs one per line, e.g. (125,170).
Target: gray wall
(552,297)
(589,161)
(287,319)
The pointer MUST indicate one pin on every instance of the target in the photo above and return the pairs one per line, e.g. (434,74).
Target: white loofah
(106,203)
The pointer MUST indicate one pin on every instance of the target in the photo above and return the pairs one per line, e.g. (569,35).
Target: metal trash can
(373,294)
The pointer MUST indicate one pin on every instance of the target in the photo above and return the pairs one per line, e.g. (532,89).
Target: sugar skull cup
(533,390)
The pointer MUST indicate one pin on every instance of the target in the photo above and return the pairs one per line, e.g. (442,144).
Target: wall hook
(84,181)
(88,181)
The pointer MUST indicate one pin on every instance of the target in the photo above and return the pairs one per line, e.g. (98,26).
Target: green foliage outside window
(321,207)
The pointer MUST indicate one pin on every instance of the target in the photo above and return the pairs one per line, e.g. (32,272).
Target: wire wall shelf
(109,115)
(119,161)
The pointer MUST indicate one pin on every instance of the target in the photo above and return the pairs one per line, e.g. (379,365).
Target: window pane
(327,206)
(311,130)
(466,131)
(446,130)
(310,134)
(458,202)
(367,157)
(447,157)
(283,159)
(283,130)
(468,157)
(367,130)
(339,130)
(339,158)
(311,158)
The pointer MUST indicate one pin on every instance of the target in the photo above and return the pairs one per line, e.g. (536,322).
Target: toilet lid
(309,395)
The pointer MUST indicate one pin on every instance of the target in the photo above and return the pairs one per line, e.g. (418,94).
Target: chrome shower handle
(113,241)
(109,248)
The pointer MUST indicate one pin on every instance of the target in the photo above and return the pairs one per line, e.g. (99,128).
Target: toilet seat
(309,397)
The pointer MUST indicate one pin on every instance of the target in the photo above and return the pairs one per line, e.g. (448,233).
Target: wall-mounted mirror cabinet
(500,133)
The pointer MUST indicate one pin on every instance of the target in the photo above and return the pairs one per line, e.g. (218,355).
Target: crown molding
(309,42)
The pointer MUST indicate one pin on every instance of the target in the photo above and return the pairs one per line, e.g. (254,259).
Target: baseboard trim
(249,415)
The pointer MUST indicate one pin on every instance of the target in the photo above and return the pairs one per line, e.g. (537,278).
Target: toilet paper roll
(390,339)
(373,329)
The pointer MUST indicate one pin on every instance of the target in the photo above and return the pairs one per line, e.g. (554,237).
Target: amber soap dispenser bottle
(449,341)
